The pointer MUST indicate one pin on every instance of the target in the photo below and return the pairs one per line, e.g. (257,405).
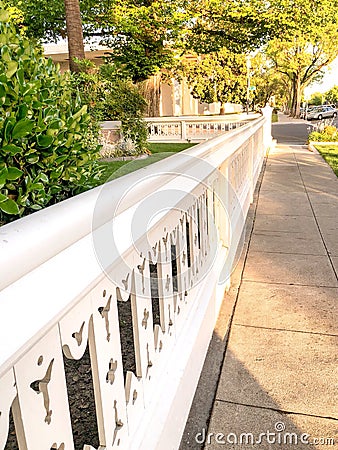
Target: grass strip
(116,169)
(330,154)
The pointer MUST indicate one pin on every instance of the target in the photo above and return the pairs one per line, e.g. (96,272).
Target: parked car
(307,109)
(321,112)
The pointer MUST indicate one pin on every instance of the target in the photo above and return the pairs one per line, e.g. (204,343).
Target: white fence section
(109,299)
(194,128)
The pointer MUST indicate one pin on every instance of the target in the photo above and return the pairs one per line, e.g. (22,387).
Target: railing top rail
(208,118)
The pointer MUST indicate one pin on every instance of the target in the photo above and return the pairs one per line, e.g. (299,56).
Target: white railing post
(267,137)
(183,130)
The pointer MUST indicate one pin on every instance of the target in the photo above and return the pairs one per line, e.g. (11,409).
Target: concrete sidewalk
(279,324)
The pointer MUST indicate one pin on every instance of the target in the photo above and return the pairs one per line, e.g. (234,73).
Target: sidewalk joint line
(261,230)
(282,411)
(285,329)
(290,284)
(287,253)
(288,215)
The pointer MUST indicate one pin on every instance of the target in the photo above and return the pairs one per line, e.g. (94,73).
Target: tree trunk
(74,33)
(296,96)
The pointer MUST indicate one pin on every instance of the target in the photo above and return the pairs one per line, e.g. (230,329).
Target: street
(290,133)
(293,131)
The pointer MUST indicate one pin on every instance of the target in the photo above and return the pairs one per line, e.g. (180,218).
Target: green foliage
(111,96)
(316,99)
(309,44)
(331,96)
(48,147)
(268,81)
(329,134)
(41,19)
(218,77)
(143,34)
(140,33)
(239,25)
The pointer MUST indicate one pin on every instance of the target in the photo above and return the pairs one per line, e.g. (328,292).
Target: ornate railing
(109,299)
(193,129)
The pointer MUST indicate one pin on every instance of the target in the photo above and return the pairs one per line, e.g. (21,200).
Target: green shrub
(329,134)
(48,145)
(112,96)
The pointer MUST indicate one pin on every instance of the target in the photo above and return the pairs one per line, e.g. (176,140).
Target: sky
(330,79)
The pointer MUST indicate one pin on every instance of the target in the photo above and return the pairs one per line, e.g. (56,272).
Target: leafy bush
(328,134)
(48,146)
(112,96)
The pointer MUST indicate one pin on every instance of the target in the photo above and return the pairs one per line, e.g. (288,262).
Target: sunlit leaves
(218,77)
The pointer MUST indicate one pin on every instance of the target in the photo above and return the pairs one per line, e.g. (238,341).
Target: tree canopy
(331,96)
(217,77)
(146,36)
(310,44)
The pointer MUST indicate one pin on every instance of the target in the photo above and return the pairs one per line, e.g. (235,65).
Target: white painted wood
(74,329)
(105,350)
(135,403)
(42,394)
(193,129)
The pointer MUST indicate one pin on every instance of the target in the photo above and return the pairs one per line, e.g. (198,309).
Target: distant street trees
(310,44)
(331,96)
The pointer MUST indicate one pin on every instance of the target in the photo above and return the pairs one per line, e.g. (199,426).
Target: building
(170,99)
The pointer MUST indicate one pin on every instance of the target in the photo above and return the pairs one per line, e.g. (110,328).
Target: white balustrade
(194,128)
(132,274)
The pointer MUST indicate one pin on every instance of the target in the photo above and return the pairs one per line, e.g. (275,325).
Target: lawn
(115,169)
(330,154)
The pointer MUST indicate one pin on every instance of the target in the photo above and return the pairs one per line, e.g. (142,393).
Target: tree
(240,26)
(302,60)
(140,33)
(309,44)
(268,82)
(217,77)
(42,19)
(331,96)
(74,33)
(317,98)
(48,20)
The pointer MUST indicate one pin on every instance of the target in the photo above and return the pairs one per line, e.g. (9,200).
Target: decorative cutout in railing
(135,273)
(193,129)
